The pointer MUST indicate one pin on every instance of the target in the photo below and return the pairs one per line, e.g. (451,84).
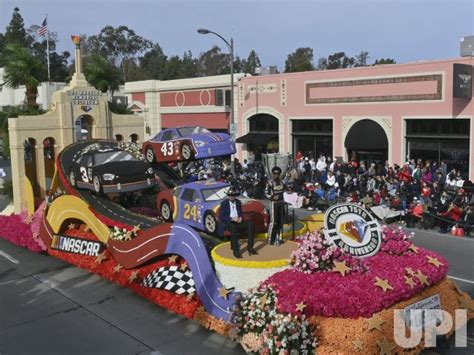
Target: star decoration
(172,258)
(29,219)
(410,271)
(128,236)
(223,292)
(358,345)
(409,281)
(101,257)
(136,229)
(71,226)
(263,300)
(300,307)
(386,347)
(375,323)
(190,296)
(117,268)
(422,277)
(86,229)
(413,248)
(383,284)
(133,276)
(341,267)
(434,261)
(183,266)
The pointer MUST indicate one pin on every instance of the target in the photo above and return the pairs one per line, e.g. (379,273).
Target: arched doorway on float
(367,141)
(83,126)
(263,135)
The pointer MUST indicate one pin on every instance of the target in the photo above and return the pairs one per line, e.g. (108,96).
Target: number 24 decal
(190,212)
(167,148)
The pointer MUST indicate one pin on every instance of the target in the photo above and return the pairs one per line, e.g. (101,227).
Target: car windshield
(115,155)
(186,131)
(216,194)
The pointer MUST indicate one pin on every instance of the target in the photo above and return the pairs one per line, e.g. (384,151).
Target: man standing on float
(274,192)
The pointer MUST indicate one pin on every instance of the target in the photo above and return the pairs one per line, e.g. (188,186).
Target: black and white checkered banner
(172,279)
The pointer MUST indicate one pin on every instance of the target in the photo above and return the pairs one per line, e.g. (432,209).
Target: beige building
(77,112)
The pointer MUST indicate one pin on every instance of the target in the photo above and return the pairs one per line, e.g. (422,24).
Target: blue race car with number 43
(186,143)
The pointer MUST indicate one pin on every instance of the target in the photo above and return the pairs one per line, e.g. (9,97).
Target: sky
(405,30)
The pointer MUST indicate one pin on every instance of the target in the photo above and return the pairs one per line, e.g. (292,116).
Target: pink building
(387,112)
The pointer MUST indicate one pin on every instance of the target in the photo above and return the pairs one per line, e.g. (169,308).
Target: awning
(256,138)
(366,134)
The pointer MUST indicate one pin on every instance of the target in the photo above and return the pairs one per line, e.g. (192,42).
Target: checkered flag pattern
(172,279)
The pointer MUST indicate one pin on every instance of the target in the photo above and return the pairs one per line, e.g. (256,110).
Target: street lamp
(232,128)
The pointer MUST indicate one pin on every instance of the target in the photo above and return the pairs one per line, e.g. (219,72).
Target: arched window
(118,137)
(134,138)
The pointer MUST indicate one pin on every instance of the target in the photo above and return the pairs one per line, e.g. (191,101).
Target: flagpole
(47,50)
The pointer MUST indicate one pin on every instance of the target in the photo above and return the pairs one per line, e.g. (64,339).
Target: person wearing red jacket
(404,174)
(452,215)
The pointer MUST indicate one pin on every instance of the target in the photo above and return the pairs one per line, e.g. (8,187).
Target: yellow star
(434,261)
(136,229)
(128,236)
(375,323)
(223,292)
(386,347)
(133,276)
(422,277)
(300,307)
(358,345)
(117,268)
(341,267)
(101,257)
(183,266)
(413,248)
(86,229)
(71,226)
(409,281)
(383,284)
(172,258)
(410,271)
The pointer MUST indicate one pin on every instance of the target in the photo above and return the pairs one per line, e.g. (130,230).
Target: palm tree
(23,68)
(103,75)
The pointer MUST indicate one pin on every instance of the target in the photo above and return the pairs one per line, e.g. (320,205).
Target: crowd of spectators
(424,194)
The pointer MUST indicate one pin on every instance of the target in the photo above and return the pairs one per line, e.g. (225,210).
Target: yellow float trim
(286,235)
(247,264)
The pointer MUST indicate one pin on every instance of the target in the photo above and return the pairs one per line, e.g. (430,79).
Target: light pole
(232,128)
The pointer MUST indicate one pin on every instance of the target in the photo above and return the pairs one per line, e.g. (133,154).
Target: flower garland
(395,241)
(122,234)
(132,148)
(261,328)
(23,230)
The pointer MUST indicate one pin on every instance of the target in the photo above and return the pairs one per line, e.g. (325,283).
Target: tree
(300,60)
(102,74)
(339,60)
(2,46)
(119,45)
(384,61)
(23,68)
(15,31)
(253,62)
(153,63)
(172,68)
(213,62)
(322,63)
(361,59)
(189,66)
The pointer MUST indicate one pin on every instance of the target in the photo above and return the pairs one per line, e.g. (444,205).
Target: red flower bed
(14,229)
(355,295)
(176,303)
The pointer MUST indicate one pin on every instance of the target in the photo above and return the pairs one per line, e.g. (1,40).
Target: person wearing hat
(231,218)
(274,192)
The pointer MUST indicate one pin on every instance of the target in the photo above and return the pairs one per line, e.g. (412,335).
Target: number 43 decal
(190,212)
(167,148)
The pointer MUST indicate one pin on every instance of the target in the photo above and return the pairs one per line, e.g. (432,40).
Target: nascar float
(187,143)
(330,291)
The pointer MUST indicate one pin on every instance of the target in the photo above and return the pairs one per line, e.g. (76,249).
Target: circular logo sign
(352,228)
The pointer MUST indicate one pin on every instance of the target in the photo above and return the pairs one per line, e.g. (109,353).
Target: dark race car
(110,170)
(186,143)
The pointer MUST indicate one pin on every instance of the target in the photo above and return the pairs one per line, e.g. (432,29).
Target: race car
(110,169)
(186,143)
(197,205)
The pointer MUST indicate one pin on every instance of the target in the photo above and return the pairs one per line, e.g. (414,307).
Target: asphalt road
(49,307)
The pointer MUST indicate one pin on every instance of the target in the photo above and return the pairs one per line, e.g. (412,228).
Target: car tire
(72,179)
(150,155)
(166,212)
(186,151)
(210,223)
(97,185)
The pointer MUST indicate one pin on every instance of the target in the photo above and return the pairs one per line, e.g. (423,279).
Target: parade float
(329,291)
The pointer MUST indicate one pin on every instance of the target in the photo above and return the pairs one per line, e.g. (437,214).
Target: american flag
(43,29)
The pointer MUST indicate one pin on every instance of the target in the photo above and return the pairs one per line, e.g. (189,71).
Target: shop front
(312,137)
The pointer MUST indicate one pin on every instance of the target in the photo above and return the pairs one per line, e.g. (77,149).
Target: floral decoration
(22,230)
(395,240)
(132,148)
(262,328)
(122,234)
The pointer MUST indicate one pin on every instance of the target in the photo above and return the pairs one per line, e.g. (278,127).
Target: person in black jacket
(231,218)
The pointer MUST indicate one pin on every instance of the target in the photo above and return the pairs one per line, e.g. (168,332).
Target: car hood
(123,168)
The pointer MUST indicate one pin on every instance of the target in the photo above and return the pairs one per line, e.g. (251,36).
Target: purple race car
(186,143)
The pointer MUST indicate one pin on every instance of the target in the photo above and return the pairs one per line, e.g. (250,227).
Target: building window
(312,137)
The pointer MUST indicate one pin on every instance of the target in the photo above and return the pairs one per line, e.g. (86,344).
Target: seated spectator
(332,196)
(396,202)
(331,179)
(293,198)
(368,200)
(451,216)
(467,220)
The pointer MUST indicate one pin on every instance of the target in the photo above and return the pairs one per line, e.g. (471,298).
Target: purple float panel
(188,244)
